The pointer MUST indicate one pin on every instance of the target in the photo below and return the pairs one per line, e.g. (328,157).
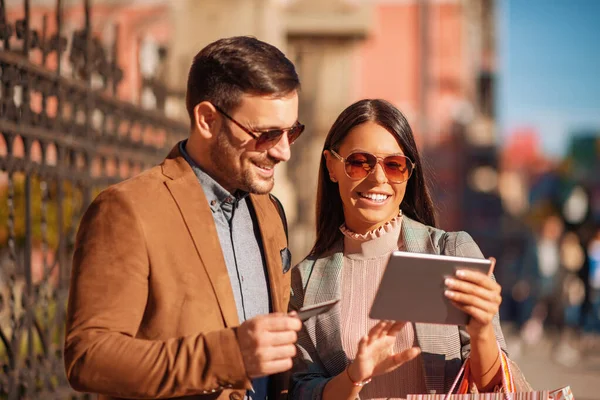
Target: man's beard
(246,179)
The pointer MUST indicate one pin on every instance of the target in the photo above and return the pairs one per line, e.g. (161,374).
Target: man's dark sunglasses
(268,138)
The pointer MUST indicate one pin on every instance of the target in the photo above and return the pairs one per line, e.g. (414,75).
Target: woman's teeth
(374,196)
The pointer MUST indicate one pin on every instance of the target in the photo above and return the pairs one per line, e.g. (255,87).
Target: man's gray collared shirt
(241,244)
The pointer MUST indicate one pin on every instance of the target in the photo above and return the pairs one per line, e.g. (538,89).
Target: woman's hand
(478,295)
(375,354)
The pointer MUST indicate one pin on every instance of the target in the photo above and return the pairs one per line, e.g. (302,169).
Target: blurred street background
(503,97)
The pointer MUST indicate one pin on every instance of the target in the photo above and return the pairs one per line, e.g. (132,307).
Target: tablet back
(412,288)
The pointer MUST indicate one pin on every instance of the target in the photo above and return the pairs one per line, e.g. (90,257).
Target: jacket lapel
(325,284)
(325,280)
(272,245)
(189,196)
(417,238)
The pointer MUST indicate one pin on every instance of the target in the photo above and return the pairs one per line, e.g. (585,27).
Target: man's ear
(329,160)
(205,119)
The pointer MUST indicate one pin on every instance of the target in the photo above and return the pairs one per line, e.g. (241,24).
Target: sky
(549,68)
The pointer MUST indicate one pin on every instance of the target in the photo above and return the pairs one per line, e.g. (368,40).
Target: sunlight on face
(237,161)
(372,201)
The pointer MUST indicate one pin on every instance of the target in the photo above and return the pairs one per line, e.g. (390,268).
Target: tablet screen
(412,288)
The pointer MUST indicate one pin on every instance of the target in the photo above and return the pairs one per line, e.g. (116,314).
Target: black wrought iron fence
(62,139)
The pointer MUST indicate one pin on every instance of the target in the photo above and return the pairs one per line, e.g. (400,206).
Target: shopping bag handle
(508,383)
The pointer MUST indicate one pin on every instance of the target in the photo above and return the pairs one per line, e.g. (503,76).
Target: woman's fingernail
(461,273)
(449,282)
(449,293)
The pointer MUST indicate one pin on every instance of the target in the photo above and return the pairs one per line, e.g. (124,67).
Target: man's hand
(268,342)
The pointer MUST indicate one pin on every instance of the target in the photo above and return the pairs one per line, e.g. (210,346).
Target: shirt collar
(216,194)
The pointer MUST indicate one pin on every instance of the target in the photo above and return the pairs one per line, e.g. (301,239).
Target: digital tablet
(412,288)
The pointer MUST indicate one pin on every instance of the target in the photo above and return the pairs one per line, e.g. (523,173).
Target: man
(169,263)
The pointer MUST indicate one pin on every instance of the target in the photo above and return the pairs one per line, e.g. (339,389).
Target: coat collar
(183,185)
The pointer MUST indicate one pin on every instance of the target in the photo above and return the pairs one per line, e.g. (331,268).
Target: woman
(372,200)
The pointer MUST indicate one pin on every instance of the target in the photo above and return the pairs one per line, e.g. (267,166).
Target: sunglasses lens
(359,165)
(268,139)
(397,168)
(295,133)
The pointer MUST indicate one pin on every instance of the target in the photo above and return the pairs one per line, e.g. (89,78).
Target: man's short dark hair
(224,70)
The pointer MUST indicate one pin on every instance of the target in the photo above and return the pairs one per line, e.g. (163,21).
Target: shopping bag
(564,393)
(538,395)
(461,383)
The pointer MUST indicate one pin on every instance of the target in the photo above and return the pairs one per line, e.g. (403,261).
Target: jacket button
(235,396)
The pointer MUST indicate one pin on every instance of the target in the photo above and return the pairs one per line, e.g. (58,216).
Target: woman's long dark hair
(417,203)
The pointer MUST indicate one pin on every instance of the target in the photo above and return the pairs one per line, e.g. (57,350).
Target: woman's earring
(332,179)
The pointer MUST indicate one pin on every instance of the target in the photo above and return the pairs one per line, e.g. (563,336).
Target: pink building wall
(389,63)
